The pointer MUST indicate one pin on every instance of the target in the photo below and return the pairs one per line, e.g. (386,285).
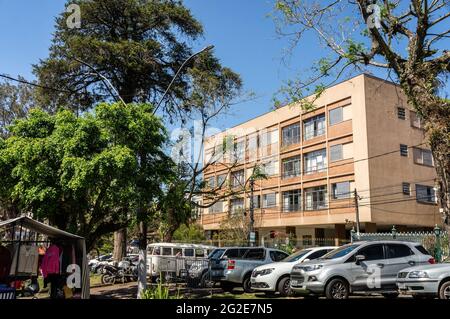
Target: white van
(171,259)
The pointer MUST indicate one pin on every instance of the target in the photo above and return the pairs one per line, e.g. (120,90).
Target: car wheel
(226,286)
(284,287)
(337,289)
(205,281)
(247,284)
(391,295)
(444,291)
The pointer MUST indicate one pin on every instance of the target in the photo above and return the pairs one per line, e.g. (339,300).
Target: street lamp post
(142,265)
(208,48)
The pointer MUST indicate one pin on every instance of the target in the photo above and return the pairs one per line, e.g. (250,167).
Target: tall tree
(408,39)
(137,45)
(15,101)
(82,173)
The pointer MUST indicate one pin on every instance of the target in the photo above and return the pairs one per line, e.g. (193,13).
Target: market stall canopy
(52,232)
(39,227)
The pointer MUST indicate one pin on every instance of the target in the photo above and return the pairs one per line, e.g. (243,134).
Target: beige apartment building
(360,135)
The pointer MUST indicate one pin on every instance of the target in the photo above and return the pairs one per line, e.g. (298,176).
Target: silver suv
(235,266)
(358,267)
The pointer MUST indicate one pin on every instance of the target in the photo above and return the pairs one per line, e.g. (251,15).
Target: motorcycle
(124,271)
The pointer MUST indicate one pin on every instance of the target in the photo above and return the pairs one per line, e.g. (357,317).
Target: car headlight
(418,274)
(311,267)
(266,271)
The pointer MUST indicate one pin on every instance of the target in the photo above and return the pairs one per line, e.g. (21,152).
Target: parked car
(199,272)
(426,281)
(236,264)
(173,260)
(370,266)
(275,277)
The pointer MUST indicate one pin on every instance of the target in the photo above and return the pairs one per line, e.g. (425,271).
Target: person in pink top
(50,262)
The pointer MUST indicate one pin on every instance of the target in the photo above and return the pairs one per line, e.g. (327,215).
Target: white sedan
(275,277)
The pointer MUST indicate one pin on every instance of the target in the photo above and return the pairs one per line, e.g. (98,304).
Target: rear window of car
(277,255)
(235,252)
(398,251)
(422,249)
(256,254)
(216,254)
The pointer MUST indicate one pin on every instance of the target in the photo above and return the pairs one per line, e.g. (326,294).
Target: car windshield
(340,252)
(216,253)
(296,256)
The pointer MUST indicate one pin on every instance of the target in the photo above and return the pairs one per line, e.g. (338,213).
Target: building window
(423,157)
(270,200)
(336,116)
(237,205)
(216,154)
(239,151)
(403,150)
(336,153)
(217,207)
(291,134)
(291,167)
(270,168)
(406,189)
(415,120)
(292,201)
(221,180)
(238,179)
(401,113)
(314,126)
(341,190)
(316,198)
(256,201)
(425,194)
(269,143)
(211,182)
(315,161)
(252,147)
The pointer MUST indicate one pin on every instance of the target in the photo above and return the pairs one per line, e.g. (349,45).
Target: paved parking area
(129,291)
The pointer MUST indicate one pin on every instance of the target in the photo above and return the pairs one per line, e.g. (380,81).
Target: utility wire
(34,84)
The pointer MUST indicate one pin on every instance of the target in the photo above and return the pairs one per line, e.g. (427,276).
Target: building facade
(361,135)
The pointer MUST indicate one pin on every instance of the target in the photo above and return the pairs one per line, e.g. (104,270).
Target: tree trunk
(120,244)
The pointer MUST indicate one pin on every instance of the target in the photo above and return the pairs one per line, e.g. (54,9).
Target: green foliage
(15,101)
(85,174)
(354,50)
(160,291)
(189,233)
(138,45)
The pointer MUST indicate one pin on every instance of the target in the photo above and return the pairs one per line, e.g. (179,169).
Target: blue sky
(243,35)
